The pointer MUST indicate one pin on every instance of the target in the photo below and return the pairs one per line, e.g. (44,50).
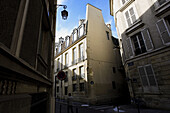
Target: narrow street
(61,107)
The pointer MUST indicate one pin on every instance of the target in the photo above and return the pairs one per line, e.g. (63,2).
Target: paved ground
(61,107)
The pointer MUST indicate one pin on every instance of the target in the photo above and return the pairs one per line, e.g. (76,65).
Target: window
(75,35)
(66,79)
(81,71)
(141,43)
(57,88)
(138,44)
(58,64)
(81,30)
(124,1)
(66,59)
(66,90)
(82,87)
(74,87)
(113,85)
(163,26)
(67,42)
(107,33)
(74,56)
(147,76)
(59,48)
(81,56)
(74,75)
(130,16)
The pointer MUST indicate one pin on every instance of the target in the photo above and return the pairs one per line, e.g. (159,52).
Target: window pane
(123,1)
(81,31)
(133,18)
(149,70)
(131,11)
(75,36)
(127,14)
(81,86)
(144,81)
(152,80)
(142,72)
(161,26)
(142,44)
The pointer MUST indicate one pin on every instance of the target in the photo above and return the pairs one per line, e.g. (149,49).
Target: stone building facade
(143,28)
(26,56)
(91,60)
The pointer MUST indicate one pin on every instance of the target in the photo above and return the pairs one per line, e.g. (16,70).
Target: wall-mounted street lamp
(64,13)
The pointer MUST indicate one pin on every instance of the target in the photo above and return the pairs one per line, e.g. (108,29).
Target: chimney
(81,21)
(61,40)
(109,26)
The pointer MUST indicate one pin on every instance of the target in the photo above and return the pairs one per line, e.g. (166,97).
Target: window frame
(135,13)
(148,88)
(165,24)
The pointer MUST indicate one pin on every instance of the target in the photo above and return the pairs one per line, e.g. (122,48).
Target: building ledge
(162,9)
(135,26)
(126,5)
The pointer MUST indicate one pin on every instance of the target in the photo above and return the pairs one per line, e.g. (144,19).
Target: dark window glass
(113,84)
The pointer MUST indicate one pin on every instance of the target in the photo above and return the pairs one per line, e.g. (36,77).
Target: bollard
(60,108)
(76,109)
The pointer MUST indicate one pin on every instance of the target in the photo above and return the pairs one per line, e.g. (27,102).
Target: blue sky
(76,11)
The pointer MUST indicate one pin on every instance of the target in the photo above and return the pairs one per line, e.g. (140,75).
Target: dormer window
(81,30)
(67,41)
(124,1)
(75,35)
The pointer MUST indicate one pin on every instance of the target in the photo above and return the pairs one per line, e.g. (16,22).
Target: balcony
(74,78)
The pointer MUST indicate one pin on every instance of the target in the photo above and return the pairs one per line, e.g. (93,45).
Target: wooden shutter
(143,77)
(163,31)
(150,74)
(147,39)
(129,47)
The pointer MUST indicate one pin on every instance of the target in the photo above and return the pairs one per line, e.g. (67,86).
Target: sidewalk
(61,107)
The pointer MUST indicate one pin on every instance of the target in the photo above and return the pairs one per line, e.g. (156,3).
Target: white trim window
(81,55)
(75,35)
(81,30)
(74,56)
(141,42)
(147,77)
(164,32)
(67,41)
(66,59)
(81,69)
(130,16)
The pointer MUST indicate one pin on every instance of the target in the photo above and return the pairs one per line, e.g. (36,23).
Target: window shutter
(151,76)
(143,76)
(147,39)
(130,52)
(163,31)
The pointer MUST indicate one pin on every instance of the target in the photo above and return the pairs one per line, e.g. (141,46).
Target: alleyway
(61,107)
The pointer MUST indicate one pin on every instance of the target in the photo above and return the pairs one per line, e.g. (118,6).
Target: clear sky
(76,11)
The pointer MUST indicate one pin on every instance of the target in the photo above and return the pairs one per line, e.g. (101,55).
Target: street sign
(61,75)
